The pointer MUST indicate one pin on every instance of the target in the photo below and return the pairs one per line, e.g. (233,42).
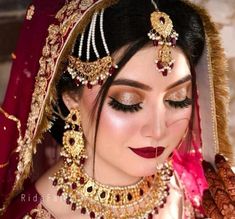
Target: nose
(154,124)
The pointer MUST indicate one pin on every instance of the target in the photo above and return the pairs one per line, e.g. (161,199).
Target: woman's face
(144,117)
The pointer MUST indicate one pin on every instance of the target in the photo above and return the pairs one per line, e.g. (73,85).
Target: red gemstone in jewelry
(89,189)
(160,65)
(83,210)
(150,216)
(149,184)
(89,86)
(74,117)
(162,20)
(59,192)
(78,82)
(141,192)
(129,196)
(171,65)
(112,70)
(71,141)
(69,163)
(165,72)
(92,214)
(74,185)
(102,195)
(74,206)
(164,200)
(173,41)
(66,180)
(82,160)
(68,202)
(81,180)
(100,82)
(55,181)
(156,210)
(155,42)
(170,173)
(117,198)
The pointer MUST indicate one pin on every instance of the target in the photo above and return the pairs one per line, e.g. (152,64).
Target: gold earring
(73,142)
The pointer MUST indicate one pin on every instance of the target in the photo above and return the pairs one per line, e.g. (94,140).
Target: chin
(144,169)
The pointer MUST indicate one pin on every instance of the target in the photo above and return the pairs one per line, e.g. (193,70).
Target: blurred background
(12,13)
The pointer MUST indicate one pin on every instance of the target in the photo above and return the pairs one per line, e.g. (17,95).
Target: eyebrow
(179,82)
(131,83)
(137,84)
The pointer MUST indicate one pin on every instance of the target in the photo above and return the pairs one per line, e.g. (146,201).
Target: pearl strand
(93,36)
(89,41)
(102,32)
(81,45)
(154,5)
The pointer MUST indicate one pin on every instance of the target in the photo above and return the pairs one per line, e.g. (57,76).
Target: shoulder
(44,185)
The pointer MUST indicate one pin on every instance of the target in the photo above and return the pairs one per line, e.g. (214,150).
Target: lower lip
(148,152)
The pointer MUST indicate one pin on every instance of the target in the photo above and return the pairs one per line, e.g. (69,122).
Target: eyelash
(180,104)
(123,107)
(136,107)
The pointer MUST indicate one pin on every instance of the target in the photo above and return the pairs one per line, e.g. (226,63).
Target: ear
(71,100)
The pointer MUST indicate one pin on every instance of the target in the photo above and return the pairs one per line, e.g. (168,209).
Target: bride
(133,94)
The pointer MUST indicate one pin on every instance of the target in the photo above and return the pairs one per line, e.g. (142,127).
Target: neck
(107,174)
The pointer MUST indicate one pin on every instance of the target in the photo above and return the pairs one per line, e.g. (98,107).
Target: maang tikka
(89,72)
(162,34)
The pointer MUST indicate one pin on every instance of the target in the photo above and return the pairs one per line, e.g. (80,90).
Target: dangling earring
(73,143)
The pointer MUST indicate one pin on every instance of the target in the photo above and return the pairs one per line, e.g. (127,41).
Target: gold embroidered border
(30,12)
(4,165)
(218,81)
(39,213)
(20,138)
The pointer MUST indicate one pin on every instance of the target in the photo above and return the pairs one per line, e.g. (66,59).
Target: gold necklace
(141,200)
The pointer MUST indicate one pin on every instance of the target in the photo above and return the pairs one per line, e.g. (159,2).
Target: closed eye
(124,107)
(180,104)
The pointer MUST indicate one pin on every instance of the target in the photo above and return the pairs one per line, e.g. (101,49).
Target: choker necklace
(141,200)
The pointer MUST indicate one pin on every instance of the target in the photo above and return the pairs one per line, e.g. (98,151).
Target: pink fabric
(188,166)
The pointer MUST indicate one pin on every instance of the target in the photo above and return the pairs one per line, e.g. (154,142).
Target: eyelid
(127,98)
(179,94)
(124,108)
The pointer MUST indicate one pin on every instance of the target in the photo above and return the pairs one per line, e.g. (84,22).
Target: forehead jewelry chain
(88,72)
(163,35)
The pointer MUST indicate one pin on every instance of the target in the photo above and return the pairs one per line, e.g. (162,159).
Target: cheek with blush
(116,127)
(177,126)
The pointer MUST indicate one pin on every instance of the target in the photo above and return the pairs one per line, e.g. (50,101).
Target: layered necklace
(141,200)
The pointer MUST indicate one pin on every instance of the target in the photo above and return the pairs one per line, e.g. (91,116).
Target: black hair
(127,23)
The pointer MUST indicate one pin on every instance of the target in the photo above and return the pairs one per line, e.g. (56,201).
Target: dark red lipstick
(148,152)
(160,150)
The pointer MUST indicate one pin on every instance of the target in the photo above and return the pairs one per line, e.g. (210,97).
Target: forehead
(142,68)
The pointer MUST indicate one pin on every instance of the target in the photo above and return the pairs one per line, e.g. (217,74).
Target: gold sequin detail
(38,213)
(30,12)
